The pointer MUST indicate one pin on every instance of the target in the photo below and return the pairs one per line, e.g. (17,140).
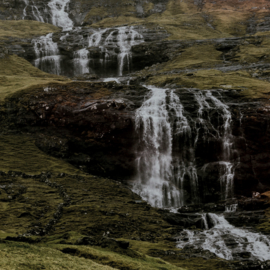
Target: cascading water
(60,17)
(111,57)
(34,10)
(184,166)
(227,167)
(154,162)
(226,241)
(47,54)
(162,126)
(81,61)
(118,43)
(208,102)
(167,170)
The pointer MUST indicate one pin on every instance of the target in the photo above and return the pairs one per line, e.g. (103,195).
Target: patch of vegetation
(264,226)
(19,153)
(17,73)
(25,29)
(183,21)
(204,56)
(25,257)
(213,79)
(129,259)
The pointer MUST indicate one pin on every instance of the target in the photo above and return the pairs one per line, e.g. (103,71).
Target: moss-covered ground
(102,207)
(16,74)
(24,29)
(99,207)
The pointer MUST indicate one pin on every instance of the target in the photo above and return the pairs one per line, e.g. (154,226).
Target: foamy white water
(111,79)
(154,161)
(47,54)
(119,39)
(227,241)
(60,17)
(231,208)
(81,61)
(161,125)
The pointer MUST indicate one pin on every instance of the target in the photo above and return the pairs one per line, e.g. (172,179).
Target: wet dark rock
(89,125)
(250,204)
(87,241)
(245,218)
(110,242)
(186,220)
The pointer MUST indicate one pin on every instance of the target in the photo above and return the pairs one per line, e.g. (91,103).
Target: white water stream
(60,16)
(47,54)
(118,42)
(81,62)
(227,241)
(166,150)
(154,162)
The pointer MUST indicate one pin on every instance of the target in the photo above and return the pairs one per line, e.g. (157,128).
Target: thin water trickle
(34,10)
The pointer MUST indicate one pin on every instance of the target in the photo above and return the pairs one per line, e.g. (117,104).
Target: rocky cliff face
(92,125)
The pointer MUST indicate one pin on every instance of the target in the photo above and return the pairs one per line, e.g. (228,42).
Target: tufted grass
(24,29)
(19,153)
(26,257)
(16,74)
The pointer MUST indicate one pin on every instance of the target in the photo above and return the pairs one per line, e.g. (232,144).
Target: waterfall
(227,241)
(126,38)
(162,126)
(81,61)
(167,172)
(184,158)
(60,17)
(47,54)
(113,56)
(34,9)
(208,102)
(95,39)
(118,43)
(155,158)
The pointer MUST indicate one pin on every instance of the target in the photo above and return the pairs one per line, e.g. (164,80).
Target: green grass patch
(214,79)
(19,153)
(16,74)
(25,29)
(29,257)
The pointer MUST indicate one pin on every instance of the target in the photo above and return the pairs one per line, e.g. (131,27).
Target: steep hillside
(83,134)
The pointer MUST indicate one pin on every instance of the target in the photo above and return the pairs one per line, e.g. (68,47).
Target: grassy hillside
(16,74)
(24,29)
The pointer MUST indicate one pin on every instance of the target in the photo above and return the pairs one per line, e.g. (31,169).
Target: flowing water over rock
(60,16)
(33,9)
(115,45)
(47,54)
(227,241)
(106,52)
(81,62)
(166,156)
